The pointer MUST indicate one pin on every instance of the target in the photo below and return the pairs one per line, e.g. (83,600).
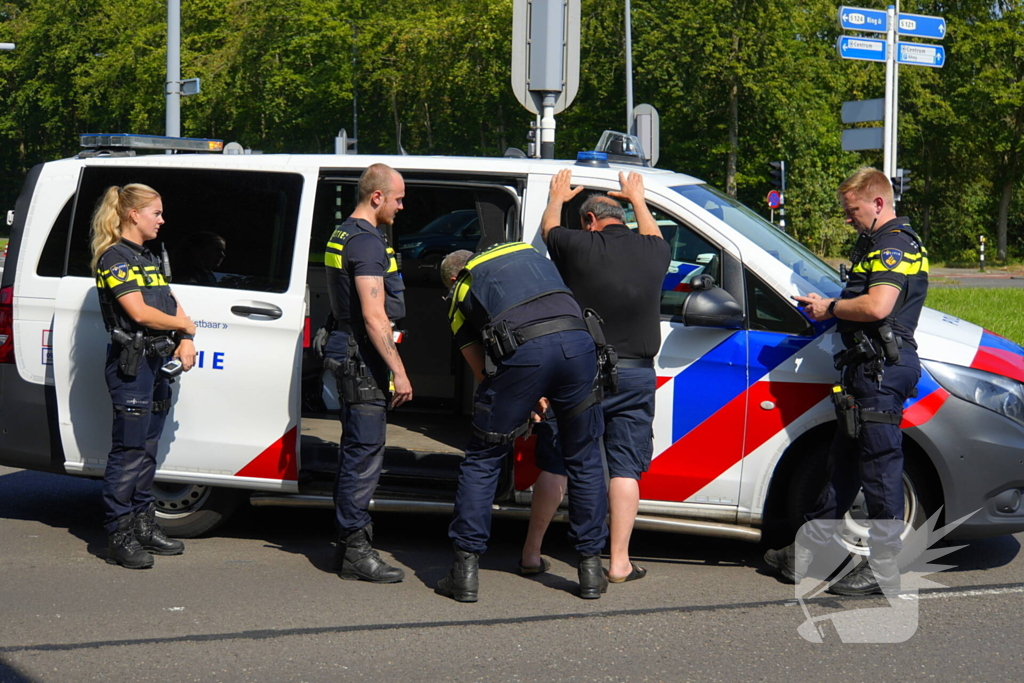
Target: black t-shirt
(365,253)
(618,273)
(127,267)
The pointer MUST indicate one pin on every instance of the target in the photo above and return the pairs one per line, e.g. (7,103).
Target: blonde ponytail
(111,215)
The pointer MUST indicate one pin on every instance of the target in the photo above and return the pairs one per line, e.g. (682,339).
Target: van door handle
(266,310)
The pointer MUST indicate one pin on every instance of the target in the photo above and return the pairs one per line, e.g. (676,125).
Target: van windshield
(810,272)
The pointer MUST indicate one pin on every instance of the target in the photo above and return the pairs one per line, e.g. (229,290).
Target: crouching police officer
(367,296)
(877,315)
(523,335)
(151,342)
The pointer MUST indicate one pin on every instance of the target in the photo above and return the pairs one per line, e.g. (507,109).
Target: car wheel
(190,510)
(919,494)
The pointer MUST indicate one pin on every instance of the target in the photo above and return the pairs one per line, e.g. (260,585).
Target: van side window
(230,229)
(692,255)
(51,261)
(768,311)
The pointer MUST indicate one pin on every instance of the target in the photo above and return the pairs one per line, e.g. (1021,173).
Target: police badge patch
(891,258)
(119,271)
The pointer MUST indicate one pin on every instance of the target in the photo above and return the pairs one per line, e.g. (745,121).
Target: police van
(743,417)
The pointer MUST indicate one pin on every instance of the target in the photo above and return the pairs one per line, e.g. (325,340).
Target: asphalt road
(257,604)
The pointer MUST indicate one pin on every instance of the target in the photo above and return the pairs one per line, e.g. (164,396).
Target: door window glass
(231,229)
(770,312)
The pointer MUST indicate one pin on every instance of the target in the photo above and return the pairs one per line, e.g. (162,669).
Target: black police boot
(880,574)
(151,536)
(791,562)
(462,582)
(593,580)
(356,560)
(124,550)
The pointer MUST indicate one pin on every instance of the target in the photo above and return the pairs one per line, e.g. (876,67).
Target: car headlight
(995,392)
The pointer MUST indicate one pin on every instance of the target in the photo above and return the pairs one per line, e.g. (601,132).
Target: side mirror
(711,306)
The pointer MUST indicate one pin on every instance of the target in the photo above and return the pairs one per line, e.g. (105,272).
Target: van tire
(190,510)
(921,496)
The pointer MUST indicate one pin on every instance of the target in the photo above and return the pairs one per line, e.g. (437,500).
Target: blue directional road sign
(920,26)
(869,49)
(860,19)
(920,54)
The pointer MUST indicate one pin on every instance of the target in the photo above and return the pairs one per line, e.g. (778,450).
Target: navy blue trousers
(561,367)
(363,435)
(131,464)
(874,460)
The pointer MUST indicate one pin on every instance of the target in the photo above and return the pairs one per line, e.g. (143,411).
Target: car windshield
(449,224)
(810,273)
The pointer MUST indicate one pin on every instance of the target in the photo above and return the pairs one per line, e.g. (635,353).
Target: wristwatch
(832,307)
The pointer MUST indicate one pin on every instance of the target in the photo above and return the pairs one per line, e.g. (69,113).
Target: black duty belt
(525,334)
(635,363)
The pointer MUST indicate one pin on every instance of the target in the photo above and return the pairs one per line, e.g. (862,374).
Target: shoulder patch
(891,258)
(119,271)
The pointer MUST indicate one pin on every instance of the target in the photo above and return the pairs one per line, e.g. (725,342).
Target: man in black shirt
(367,295)
(618,273)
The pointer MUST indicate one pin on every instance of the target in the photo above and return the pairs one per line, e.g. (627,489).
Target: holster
(847,412)
(355,381)
(133,350)
(607,357)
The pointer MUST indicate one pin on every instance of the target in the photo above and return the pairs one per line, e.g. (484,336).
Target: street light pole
(173,85)
(629,69)
(6,46)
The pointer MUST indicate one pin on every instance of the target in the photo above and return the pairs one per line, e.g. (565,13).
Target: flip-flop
(537,569)
(635,575)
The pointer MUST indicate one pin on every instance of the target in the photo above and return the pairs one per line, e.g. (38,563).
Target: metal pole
(629,69)
(355,109)
(173,85)
(894,148)
(6,46)
(890,95)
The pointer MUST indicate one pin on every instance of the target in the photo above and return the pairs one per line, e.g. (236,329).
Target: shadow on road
(9,674)
(418,542)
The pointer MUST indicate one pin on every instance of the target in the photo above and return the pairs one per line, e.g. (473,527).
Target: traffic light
(777,172)
(900,183)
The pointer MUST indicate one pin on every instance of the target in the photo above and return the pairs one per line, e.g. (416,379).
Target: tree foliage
(737,83)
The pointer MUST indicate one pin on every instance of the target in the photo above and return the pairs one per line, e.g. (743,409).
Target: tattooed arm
(371,298)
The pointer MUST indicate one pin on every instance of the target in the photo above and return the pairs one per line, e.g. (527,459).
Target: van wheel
(919,493)
(190,510)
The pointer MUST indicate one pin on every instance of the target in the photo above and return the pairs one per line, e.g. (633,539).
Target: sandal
(536,569)
(636,574)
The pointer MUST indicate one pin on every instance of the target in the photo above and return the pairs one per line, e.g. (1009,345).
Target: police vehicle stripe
(999,355)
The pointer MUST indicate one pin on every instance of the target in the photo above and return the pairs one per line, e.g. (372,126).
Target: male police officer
(877,314)
(618,273)
(367,295)
(523,336)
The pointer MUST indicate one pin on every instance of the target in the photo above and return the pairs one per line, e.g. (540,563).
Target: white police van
(743,415)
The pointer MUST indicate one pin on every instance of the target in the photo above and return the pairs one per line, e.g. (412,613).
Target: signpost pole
(890,94)
(893,52)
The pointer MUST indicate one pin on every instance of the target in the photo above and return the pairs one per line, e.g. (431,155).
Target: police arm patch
(119,271)
(891,258)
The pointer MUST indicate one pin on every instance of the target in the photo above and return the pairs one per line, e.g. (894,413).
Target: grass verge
(998,310)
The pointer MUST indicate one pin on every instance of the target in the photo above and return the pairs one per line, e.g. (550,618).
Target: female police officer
(146,325)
